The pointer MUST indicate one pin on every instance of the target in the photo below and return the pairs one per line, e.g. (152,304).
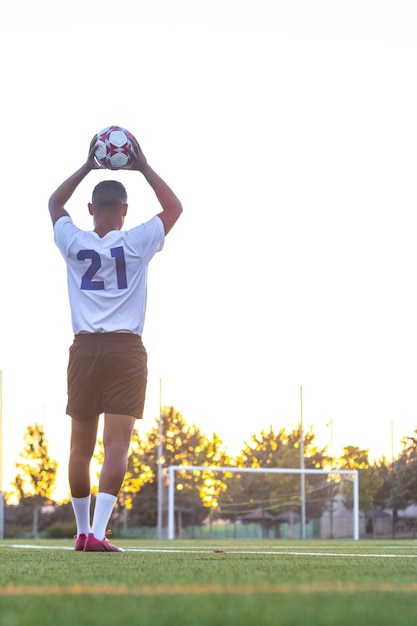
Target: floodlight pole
(302,466)
(1,459)
(159,472)
(393,488)
(331,482)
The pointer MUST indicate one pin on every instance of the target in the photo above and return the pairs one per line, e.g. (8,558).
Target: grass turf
(193,584)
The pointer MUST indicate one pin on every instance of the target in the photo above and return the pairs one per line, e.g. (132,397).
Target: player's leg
(83,441)
(117,435)
(116,439)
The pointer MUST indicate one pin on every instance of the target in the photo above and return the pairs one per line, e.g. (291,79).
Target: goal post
(170,472)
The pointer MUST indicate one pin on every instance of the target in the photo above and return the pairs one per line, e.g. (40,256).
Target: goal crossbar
(270,470)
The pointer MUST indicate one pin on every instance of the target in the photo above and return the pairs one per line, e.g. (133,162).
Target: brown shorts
(107,373)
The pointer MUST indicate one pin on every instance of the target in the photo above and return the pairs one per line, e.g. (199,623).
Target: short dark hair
(109,192)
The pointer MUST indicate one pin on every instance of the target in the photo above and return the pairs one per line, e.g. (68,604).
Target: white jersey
(107,276)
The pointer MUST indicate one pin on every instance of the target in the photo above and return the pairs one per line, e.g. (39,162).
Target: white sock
(104,506)
(81,508)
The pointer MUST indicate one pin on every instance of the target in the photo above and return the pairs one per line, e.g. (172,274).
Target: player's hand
(137,158)
(94,165)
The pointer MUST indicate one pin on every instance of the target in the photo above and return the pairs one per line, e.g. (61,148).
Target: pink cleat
(96,545)
(80,542)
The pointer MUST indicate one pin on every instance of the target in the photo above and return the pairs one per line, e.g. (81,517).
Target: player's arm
(64,192)
(171,206)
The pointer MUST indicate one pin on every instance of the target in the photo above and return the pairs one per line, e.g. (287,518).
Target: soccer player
(107,368)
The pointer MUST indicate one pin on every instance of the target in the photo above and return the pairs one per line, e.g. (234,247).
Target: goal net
(272,502)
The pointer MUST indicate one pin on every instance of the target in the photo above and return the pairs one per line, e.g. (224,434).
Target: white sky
(289,131)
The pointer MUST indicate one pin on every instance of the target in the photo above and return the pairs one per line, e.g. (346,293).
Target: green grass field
(203,584)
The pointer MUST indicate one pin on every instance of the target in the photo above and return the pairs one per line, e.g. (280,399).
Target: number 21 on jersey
(88,283)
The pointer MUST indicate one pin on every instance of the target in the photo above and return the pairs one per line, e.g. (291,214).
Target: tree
(277,493)
(197,492)
(35,481)
(253,489)
(405,472)
(370,480)
(286,491)
(387,495)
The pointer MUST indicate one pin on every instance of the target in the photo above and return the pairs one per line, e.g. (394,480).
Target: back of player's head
(109,193)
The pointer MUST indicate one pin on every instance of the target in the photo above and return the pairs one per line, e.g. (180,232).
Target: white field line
(284,552)
(242,551)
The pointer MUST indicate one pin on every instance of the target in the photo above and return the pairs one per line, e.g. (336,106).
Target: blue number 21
(87,281)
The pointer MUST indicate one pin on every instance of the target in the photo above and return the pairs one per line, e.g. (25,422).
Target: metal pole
(331,482)
(159,472)
(393,488)
(171,503)
(1,459)
(355,504)
(302,466)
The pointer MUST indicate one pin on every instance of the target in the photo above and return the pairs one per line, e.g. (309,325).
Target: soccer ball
(112,144)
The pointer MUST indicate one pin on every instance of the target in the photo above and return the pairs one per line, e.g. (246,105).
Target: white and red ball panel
(112,144)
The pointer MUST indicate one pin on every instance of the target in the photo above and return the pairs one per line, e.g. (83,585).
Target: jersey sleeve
(64,233)
(148,238)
